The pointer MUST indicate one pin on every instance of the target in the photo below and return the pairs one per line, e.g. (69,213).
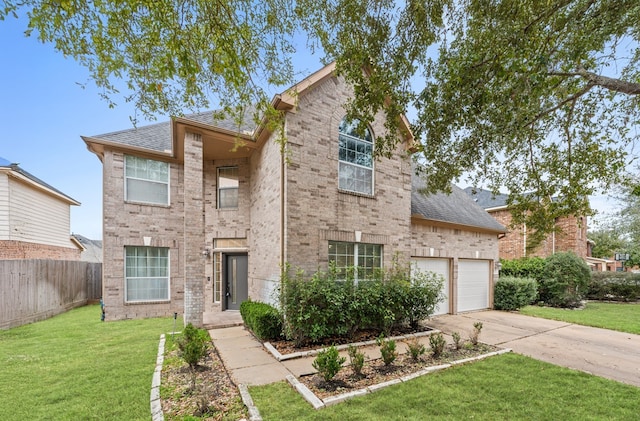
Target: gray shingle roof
(485,198)
(15,167)
(455,208)
(157,137)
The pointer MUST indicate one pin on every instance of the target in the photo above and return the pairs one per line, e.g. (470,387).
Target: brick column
(194,263)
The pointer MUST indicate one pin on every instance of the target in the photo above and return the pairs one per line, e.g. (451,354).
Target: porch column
(194,241)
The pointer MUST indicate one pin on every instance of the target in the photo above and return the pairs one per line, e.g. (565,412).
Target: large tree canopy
(537,97)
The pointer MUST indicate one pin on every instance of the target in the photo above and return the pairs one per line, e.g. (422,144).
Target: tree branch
(612,84)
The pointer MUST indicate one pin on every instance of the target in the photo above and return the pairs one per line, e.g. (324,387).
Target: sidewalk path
(606,353)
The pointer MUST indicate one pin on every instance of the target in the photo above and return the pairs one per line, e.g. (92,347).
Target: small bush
(564,280)
(437,344)
(475,334)
(193,345)
(387,350)
(512,293)
(416,349)
(356,359)
(526,267)
(264,320)
(457,340)
(328,363)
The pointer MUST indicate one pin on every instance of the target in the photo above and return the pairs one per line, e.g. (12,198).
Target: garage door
(441,267)
(473,284)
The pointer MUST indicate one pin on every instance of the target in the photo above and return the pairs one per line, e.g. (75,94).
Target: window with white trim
(146,274)
(364,258)
(355,171)
(228,183)
(146,180)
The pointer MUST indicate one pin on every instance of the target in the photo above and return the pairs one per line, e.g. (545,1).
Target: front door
(236,288)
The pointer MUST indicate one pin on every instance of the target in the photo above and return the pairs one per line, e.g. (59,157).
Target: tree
(538,97)
(607,243)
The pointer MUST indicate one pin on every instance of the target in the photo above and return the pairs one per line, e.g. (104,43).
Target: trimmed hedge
(325,306)
(564,281)
(511,293)
(614,286)
(264,320)
(525,267)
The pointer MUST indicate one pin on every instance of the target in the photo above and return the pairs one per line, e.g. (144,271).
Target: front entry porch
(221,319)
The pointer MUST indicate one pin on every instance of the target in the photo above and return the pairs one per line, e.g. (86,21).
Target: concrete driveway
(605,353)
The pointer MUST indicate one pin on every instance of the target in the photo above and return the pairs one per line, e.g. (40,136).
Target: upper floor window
(228,188)
(146,180)
(146,274)
(355,172)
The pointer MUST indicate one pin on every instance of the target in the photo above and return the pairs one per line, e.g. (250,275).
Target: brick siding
(15,250)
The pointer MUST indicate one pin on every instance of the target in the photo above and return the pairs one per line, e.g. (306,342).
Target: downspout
(282,195)
(524,248)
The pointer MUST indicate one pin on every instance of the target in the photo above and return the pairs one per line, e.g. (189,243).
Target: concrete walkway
(602,352)
(606,353)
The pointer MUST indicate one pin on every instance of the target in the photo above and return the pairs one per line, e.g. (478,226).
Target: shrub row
(526,267)
(617,286)
(263,319)
(513,293)
(326,306)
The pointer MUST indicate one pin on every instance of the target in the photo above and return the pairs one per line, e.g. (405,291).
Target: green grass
(75,367)
(614,316)
(505,387)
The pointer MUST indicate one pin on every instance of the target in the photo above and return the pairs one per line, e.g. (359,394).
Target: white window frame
(357,254)
(146,180)
(237,188)
(167,278)
(347,163)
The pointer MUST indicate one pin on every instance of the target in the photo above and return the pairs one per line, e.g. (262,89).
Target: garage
(441,267)
(473,284)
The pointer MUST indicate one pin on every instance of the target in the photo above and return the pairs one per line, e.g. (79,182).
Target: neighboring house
(200,215)
(91,249)
(34,217)
(571,236)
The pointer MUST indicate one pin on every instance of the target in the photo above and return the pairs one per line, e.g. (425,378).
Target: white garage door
(473,284)
(441,267)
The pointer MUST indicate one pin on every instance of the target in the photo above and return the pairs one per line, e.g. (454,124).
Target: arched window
(355,172)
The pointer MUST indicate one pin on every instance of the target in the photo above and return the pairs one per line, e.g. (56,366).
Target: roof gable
(17,172)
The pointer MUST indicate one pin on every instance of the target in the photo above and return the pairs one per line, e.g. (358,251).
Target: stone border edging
(156,405)
(254,414)
(318,403)
(278,356)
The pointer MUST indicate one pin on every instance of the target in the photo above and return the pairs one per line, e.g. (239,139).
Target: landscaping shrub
(356,359)
(193,345)
(616,286)
(475,334)
(564,281)
(525,267)
(328,363)
(264,320)
(437,343)
(416,349)
(457,340)
(511,293)
(324,306)
(387,350)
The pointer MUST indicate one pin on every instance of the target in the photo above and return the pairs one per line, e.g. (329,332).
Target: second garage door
(473,284)
(441,267)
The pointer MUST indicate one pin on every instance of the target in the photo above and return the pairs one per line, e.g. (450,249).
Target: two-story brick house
(200,214)
(570,236)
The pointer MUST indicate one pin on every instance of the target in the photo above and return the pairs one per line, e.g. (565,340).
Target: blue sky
(44,111)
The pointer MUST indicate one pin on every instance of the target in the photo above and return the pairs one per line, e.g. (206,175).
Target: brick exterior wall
(15,250)
(571,237)
(126,224)
(316,210)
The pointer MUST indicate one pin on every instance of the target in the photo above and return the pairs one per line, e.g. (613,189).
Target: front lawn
(74,366)
(504,387)
(614,316)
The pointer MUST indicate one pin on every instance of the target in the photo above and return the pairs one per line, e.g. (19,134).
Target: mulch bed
(215,397)
(375,372)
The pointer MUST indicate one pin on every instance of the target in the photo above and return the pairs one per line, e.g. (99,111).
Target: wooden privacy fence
(32,290)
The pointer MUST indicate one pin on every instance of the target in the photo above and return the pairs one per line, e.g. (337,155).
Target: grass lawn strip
(615,316)
(504,387)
